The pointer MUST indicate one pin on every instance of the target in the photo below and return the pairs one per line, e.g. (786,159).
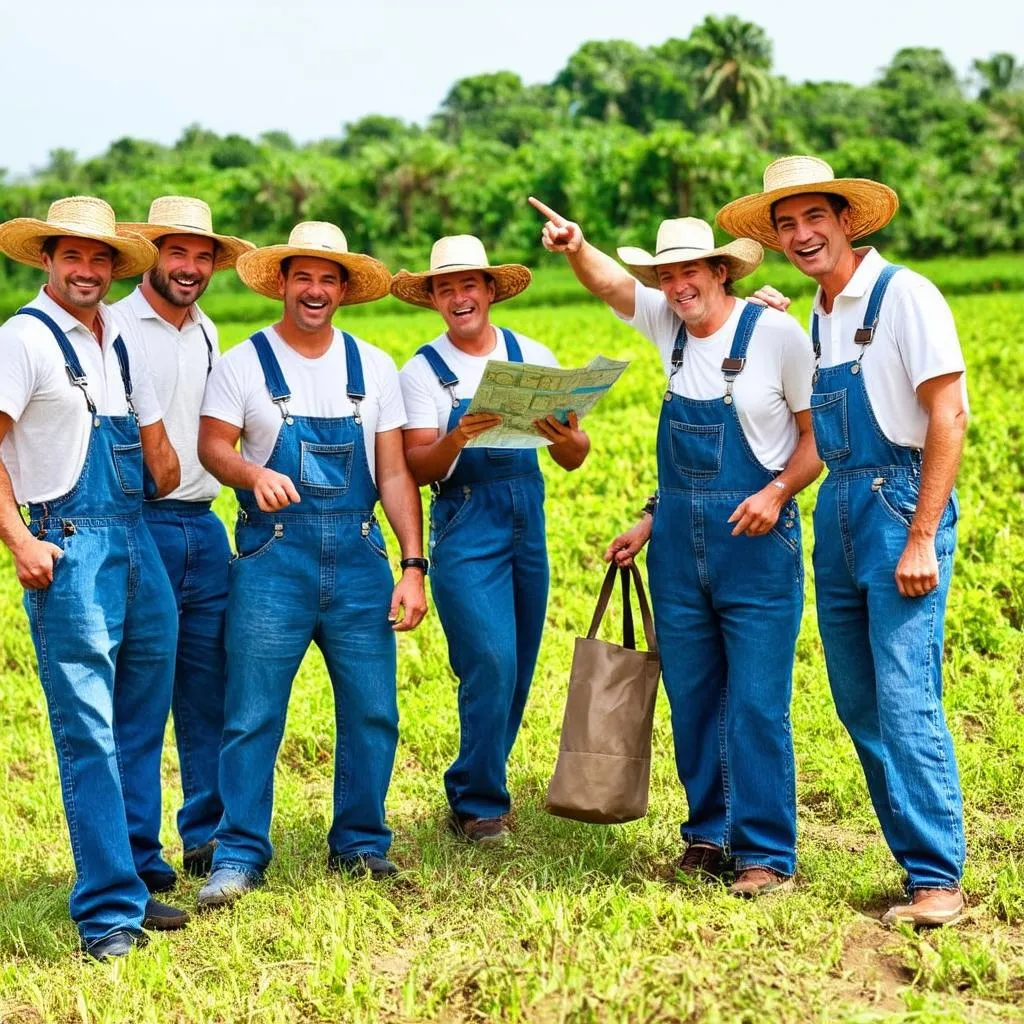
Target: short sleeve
(652,316)
(797,367)
(392,408)
(147,405)
(225,397)
(17,374)
(420,405)
(926,334)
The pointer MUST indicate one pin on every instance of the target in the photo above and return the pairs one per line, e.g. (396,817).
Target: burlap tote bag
(604,758)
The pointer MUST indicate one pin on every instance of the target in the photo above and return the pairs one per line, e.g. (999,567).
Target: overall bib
(315,572)
(883,651)
(194,548)
(727,613)
(104,633)
(489,578)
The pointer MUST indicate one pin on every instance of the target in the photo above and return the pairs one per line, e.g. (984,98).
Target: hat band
(681,248)
(442,266)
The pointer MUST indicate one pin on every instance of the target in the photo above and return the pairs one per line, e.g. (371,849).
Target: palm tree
(734,61)
(998,74)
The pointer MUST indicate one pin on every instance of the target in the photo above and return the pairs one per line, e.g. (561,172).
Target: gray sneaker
(225,886)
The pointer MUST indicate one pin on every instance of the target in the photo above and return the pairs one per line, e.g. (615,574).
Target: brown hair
(714,262)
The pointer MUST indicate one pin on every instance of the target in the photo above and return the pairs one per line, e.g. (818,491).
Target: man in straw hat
(889,410)
(179,343)
(319,416)
(78,418)
(487,537)
(725,564)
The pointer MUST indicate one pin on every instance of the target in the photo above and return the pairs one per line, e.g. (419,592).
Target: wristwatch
(415,563)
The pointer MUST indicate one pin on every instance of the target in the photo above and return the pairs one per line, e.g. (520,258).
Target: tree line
(622,137)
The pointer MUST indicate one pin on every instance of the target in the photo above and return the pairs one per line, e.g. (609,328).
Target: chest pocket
(697,448)
(831,427)
(128,464)
(325,469)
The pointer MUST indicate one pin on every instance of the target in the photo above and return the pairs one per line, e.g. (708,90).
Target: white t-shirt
(237,392)
(428,405)
(177,362)
(774,384)
(915,341)
(45,449)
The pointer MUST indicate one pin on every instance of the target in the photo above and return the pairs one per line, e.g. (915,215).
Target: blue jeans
(489,580)
(194,547)
(884,658)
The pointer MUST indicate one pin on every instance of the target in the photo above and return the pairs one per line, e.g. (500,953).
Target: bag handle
(603,598)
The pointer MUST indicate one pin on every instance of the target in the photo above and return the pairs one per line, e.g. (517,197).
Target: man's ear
(846,220)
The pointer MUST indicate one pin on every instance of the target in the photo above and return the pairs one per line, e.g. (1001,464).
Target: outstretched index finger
(542,208)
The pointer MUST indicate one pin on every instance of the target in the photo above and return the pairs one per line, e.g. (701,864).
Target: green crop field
(572,922)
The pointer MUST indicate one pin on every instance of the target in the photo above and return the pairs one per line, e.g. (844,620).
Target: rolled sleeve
(797,369)
(417,396)
(17,374)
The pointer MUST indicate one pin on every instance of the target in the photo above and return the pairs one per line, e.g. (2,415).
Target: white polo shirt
(915,341)
(177,362)
(237,392)
(774,384)
(45,449)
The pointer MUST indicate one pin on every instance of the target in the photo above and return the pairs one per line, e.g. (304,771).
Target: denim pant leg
(358,645)
(271,616)
(924,800)
(198,703)
(142,701)
(77,625)
(693,670)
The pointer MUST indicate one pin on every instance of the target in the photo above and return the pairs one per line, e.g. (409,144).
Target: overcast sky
(79,75)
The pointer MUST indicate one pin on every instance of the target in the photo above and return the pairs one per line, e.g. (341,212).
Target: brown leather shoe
(751,882)
(928,908)
(701,860)
(484,831)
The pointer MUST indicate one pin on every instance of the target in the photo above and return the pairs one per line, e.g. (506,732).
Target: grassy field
(573,922)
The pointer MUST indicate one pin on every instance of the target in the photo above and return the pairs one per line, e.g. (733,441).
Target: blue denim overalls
(105,634)
(883,651)
(727,613)
(315,571)
(489,579)
(193,545)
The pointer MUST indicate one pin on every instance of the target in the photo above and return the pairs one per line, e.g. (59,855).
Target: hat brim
(229,248)
(872,206)
(368,279)
(509,280)
(22,240)
(743,255)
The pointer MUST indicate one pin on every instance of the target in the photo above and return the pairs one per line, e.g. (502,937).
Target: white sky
(80,73)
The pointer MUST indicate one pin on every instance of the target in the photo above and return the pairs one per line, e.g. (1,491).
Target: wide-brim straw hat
(685,239)
(872,204)
(185,215)
(368,279)
(77,217)
(454,254)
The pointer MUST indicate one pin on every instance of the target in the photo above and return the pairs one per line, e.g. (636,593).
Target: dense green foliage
(574,922)
(621,138)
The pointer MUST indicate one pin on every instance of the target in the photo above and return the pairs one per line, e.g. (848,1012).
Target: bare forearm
(225,462)
(161,459)
(603,277)
(429,463)
(943,446)
(400,499)
(13,531)
(803,466)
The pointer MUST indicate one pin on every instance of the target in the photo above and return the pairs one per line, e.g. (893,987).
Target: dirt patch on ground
(867,972)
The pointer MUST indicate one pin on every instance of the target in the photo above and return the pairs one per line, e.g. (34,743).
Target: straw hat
(78,217)
(452,254)
(183,215)
(368,279)
(685,239)
(872,204)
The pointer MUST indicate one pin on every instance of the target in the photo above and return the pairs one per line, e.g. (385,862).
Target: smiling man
(890,412)
(179,344)
(319,416)
(487,537)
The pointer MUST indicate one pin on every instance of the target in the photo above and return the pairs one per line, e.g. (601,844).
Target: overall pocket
(255,539)
(128,464)
(898,498)
(325,469)
(831,429)
(697,448)
(444,514)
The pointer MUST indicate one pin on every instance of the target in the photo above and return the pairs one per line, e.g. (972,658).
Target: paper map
(522,393)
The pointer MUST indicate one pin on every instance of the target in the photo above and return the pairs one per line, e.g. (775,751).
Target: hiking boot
(225,886)
(161,917)
(198,862)
(928,908)
(361,864)
(482,831)
(701,860)
(751,882)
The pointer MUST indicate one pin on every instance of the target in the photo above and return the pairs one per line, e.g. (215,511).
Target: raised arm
(595,270)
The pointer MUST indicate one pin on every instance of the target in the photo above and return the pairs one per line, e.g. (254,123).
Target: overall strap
(445,376)
(678,348)
(126,373)
(815,339)
(71,363)
(355,388)
(732,366)
(514,352)
(272,375)
(864,335)
(209,347)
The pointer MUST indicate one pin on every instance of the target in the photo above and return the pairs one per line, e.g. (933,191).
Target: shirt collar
(863,278)
(68,323)
(140,304)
